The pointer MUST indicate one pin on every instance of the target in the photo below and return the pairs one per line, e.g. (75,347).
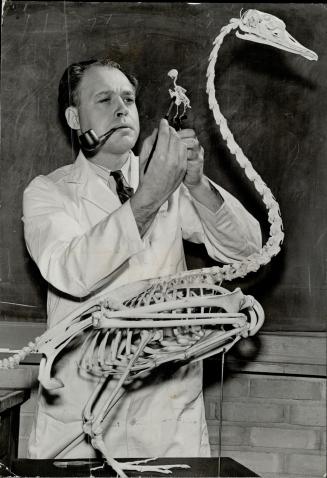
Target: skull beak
(277,37)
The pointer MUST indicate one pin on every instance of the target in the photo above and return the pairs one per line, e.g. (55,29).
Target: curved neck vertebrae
(276,235)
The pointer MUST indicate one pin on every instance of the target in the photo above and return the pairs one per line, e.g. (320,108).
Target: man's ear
(72,117)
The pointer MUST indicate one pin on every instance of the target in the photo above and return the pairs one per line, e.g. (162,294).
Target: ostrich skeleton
(179,318)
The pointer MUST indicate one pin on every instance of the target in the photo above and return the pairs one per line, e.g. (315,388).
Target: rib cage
(184,323)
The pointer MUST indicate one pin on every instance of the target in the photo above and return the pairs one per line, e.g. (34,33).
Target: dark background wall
(275,103)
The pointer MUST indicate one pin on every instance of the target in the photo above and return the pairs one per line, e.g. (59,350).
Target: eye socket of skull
(252,21)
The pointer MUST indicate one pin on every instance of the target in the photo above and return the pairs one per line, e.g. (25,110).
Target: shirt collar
(81,169)
(104,172)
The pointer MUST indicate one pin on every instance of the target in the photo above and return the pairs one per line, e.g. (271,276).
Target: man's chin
(122,141)
(121,148)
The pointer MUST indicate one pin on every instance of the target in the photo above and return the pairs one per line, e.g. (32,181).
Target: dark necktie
(124,191)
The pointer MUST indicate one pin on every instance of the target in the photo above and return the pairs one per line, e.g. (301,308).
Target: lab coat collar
(80,170)
(81,173)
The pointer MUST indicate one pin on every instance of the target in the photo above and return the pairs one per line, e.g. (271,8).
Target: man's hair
(68,93)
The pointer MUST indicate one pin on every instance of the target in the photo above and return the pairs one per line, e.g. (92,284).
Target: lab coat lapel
(90,187)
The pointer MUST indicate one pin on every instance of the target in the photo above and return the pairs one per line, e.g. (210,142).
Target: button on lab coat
(86,243)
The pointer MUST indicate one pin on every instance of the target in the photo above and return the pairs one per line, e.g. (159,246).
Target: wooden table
(200,467)
(10,402)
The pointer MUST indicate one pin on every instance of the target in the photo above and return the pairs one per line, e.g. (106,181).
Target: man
(86,242)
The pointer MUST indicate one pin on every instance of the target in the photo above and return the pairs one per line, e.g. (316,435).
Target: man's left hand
(195,158)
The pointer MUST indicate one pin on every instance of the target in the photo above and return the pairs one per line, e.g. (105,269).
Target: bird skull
(264,28)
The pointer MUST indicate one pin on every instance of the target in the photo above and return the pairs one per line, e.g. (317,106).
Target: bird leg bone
(94,427)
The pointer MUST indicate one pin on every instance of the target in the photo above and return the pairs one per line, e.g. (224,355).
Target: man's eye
(129,100)
(105,100)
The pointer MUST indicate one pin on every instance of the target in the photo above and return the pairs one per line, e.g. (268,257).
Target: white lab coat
(86,243)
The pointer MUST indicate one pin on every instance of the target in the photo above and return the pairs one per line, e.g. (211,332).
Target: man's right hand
(168,164)
(165,173)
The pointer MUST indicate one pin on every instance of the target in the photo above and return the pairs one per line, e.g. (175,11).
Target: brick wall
(273,409)
(274,425)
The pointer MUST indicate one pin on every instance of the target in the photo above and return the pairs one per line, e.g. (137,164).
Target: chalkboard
(275,103)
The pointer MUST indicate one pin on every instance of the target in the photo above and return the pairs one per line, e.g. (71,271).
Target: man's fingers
(195,154)
(183,155)
(163,137)
(170,150)
(147,146)
(186,133)
(177,149)
(191,143)
(188,137)
(174,139)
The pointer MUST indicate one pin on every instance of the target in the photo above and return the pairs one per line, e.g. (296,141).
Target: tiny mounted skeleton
(179,318)
(178,97)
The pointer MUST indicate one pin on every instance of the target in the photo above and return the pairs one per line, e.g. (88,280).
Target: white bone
(124,335)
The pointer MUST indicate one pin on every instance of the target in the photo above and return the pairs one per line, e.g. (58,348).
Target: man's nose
(121,108)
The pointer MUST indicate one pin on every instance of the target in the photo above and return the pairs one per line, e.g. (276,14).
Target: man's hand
(195,158)
(165,173)
(167,167)
(194,179)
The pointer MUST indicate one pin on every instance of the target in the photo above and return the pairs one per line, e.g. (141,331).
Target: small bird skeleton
(178,98)
(127,329)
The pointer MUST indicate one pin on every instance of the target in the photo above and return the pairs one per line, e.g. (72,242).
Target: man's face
(107,100)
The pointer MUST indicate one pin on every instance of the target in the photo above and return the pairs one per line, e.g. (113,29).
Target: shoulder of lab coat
(72,256)
(230,234)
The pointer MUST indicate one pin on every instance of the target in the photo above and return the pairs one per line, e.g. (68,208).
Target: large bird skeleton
(178,318)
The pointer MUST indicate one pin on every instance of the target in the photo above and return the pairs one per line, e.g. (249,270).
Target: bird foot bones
(139,466)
